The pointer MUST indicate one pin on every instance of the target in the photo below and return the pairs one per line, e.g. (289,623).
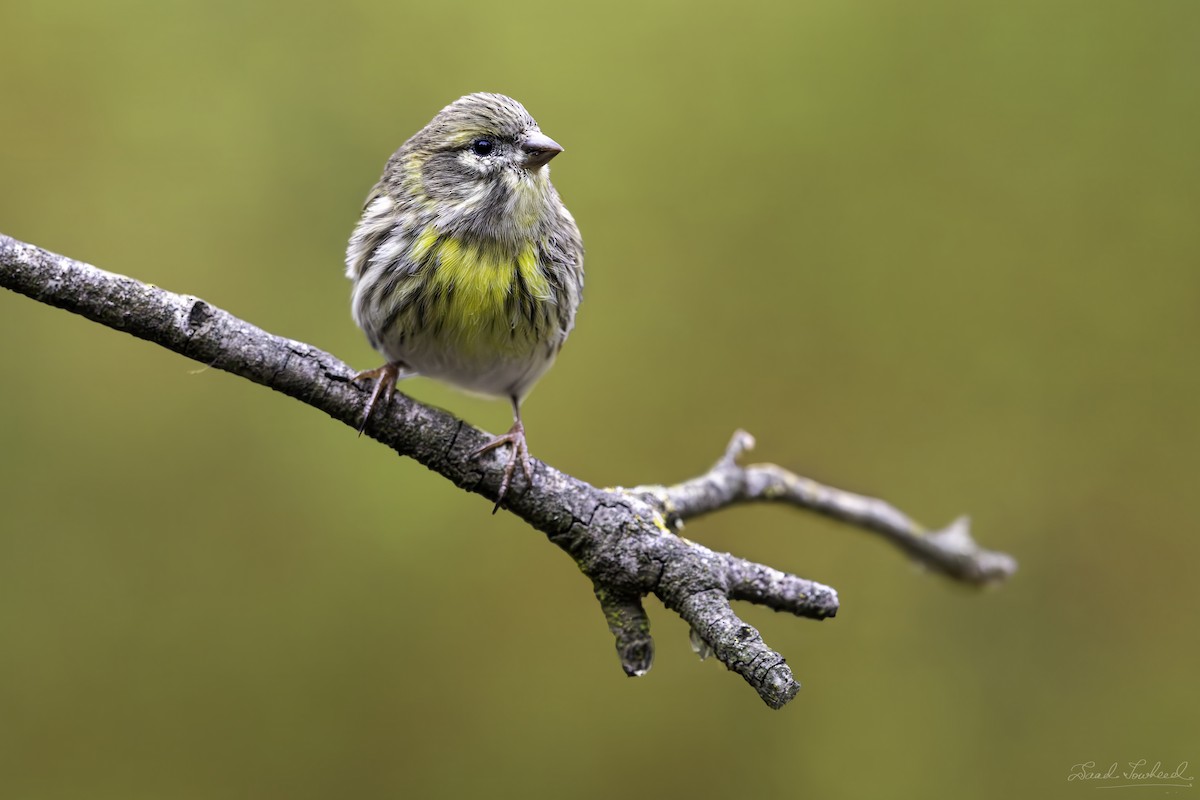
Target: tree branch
(951,550)
(623,539)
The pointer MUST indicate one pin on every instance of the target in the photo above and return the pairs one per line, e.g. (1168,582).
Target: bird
(466,266)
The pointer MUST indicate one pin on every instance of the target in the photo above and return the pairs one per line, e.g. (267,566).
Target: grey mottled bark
(624,540)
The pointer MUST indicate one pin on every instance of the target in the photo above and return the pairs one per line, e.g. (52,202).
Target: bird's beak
(539,149)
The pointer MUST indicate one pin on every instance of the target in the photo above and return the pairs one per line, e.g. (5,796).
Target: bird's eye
(481,147)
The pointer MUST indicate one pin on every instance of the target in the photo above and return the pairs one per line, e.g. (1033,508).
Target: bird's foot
(385,386)
(520,454)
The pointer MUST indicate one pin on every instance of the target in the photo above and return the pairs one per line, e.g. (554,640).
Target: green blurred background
(945,253)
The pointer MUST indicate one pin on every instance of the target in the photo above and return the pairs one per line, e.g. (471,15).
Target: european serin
(466,265)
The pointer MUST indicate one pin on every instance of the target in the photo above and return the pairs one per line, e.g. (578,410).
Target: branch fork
(625,540)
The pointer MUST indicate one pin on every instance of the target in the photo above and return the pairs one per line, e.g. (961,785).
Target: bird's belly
(476,316)
(480,341)
(496,372)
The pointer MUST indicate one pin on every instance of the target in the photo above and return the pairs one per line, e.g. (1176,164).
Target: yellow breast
(471,283)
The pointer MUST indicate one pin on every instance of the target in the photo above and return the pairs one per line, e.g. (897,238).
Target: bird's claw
(520,454)
(385,386)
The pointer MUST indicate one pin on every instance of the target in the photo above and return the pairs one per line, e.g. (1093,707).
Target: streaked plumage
(466,265)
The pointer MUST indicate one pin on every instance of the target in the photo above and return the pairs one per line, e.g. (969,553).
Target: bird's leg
(520,453)
(385,386)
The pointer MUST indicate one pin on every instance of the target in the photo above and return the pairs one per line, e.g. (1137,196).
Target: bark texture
(625,540)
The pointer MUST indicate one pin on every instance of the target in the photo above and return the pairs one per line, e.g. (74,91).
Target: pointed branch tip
(741,442)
